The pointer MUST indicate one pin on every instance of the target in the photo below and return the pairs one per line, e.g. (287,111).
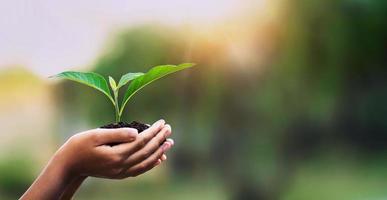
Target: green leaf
(128,77)
(91,79)
(152,75)
(113,84)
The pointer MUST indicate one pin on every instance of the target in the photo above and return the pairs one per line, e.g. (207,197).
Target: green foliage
(128,77)
(91,79)
(152,75)
(137,82)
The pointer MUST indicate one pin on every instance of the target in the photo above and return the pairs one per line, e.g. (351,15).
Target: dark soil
(137,125)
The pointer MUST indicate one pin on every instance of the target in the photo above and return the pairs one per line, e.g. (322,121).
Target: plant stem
(118,116)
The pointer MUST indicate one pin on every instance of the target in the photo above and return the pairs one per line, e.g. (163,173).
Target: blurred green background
(288,101)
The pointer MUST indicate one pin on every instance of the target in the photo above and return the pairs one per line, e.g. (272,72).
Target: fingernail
(166,146)
(169,132)
(159,122)
(163,157)
(170,140)
(130,130)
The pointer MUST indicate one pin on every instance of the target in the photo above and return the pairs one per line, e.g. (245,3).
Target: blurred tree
(323,88)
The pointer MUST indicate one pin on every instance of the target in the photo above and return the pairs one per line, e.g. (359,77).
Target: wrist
(61,166)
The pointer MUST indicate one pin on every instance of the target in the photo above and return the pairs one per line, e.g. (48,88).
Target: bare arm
(72,188)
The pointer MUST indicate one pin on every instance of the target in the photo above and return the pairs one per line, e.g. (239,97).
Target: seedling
(136,82)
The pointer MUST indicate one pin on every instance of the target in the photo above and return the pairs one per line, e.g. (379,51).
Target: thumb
(117,135)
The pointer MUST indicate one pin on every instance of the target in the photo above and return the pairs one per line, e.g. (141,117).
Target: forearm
(72,188)
(51,183)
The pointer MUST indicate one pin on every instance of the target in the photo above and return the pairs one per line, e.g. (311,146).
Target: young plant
(136,82)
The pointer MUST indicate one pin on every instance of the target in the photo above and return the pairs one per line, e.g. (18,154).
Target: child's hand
(89,153)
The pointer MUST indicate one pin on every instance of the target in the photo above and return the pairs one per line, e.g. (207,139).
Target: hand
(88,153)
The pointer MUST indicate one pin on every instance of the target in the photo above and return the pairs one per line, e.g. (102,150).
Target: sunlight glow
(50,36)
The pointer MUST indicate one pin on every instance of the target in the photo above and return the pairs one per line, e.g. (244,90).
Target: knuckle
(130,137)
(158,155)
(94,138)
(122,153)
(116,159)
(142,141)
(116,172)
(142,166)
(75,139)
(121,175)
(145,154)
(135,137)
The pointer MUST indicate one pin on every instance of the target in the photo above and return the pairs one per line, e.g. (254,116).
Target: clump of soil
(137,125)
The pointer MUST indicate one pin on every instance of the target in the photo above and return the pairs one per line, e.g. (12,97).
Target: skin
(90,154)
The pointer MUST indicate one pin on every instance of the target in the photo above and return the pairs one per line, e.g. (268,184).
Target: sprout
(136,82)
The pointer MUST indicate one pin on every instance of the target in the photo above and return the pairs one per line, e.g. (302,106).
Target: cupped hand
(89,153)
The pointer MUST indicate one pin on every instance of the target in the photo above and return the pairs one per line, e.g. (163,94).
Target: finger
(150,132)
(149,163)
(170,140)
(141,140)
(150,148)
(163,157)
(158,162)
(119,135)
